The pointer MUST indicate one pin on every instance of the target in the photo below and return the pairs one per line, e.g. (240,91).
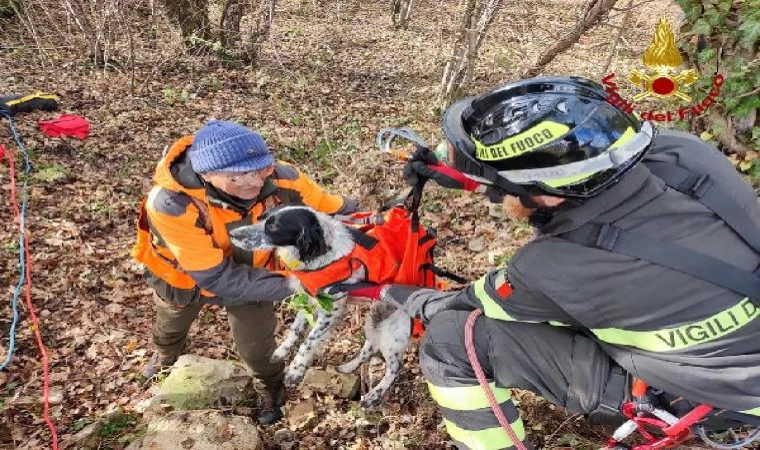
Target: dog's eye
(271,225)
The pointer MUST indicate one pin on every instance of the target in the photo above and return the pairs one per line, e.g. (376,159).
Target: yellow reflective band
(467,398)
(490,307)
(566,181)
(627,136)
(488,439)
(541,134)
(32,97)
(685,336)
(752,412)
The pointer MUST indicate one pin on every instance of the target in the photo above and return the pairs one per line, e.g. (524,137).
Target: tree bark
(263,13)
(477,16)
(595,11)
(191,16)
(401,10)
(229,28)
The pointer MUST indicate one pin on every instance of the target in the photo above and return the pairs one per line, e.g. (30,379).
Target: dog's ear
(268,213)
(311,243)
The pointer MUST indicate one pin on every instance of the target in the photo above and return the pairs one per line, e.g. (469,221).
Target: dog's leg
(296,330)
(372,323)
(364,355)
(394,334)
(308,350)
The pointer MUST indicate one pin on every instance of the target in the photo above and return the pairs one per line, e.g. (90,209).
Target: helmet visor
(581,178)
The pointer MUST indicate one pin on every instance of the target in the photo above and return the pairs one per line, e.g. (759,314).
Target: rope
(473,357)
(22,268)
(26,277)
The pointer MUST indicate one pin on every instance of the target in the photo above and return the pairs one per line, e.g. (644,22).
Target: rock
(200,430)
(86,438)
(303,414)
(477,245)
(283,435)
(89,436)
(496,211)
(340,384)
(196,382)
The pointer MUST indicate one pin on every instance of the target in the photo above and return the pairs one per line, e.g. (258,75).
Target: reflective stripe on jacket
(678,333)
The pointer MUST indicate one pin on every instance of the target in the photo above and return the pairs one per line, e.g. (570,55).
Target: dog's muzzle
(251,237)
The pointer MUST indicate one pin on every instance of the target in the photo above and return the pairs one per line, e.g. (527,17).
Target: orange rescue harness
(392,246)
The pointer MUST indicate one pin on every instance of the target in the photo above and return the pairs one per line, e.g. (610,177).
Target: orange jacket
(183,233)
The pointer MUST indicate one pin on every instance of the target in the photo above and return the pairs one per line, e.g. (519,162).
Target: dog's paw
(372,399)
(279,355)
(293,377)
(346,368)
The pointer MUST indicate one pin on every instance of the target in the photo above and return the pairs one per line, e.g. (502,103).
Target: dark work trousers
(565,367)
(253,327)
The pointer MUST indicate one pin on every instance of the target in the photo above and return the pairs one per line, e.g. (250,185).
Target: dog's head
(300,234)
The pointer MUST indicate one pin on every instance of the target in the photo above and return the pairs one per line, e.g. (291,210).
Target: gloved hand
(371,293)
(425,164)
(357,293)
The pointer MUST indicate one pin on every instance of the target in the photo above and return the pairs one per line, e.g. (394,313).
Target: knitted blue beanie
(228,147)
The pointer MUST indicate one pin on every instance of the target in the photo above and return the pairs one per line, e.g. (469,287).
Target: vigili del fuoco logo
(663,80)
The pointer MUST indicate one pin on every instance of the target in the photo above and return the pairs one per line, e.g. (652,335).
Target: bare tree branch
(618,36)
(477,16)
(595,10)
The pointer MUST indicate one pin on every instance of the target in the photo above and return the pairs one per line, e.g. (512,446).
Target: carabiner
(386,136)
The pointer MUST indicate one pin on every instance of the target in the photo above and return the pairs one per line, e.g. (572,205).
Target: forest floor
(339,74)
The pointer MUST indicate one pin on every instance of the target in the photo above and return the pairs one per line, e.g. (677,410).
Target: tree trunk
(477,16)
(263,17)
(229,28)
(400,12)
(595,11)
(191,16)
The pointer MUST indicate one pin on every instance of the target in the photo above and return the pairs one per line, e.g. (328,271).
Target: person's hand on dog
(425,164)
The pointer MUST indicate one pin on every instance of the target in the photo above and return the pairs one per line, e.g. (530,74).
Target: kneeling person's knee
(443,353)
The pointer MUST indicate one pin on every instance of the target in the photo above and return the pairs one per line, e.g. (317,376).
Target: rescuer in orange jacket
(206,185)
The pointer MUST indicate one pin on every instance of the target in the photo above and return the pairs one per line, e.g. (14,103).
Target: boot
(609,410)
(270,404)
(159,362)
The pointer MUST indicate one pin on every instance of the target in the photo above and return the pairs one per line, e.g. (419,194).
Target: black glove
(425,165)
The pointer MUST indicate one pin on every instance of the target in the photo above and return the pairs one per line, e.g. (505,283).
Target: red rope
(30,306)
(473,356)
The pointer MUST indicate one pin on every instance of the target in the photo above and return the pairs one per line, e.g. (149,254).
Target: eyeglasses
(242,178)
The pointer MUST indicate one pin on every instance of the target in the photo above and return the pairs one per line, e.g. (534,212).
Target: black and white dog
(307,240)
